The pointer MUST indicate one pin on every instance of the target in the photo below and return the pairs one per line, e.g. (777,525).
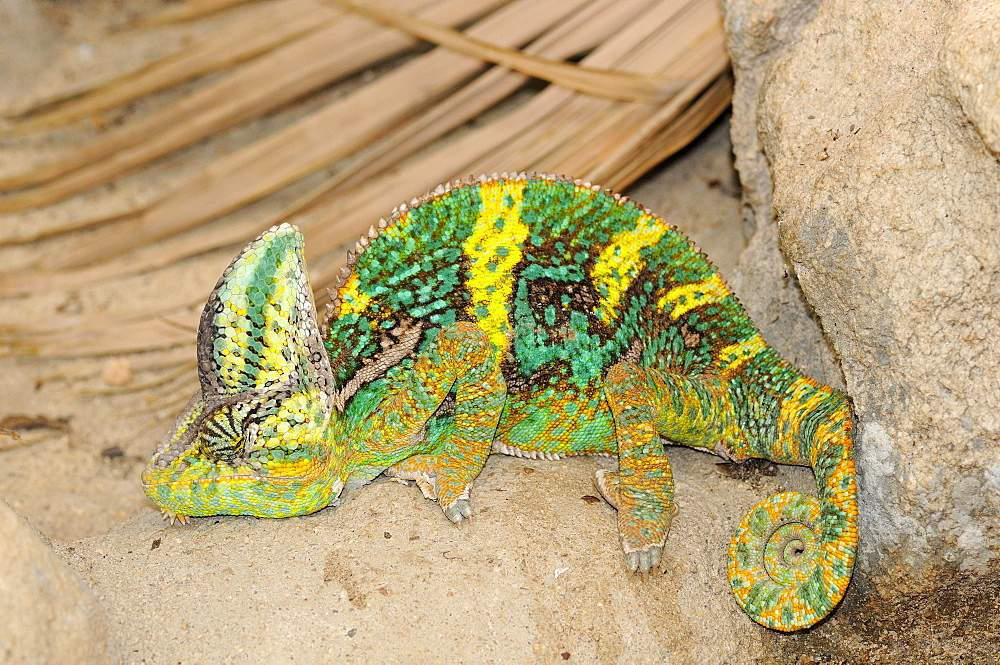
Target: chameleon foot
(171,516)
(643,520)
(423,470)
(461,509)
(644,561)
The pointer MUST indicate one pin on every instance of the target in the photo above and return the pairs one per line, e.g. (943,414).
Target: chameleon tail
(791,557)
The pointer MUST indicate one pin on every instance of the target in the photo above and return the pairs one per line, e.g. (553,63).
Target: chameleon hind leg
(459,359)
(646,404)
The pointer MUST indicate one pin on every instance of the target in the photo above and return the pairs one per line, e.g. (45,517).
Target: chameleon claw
(643,562)
(632,562)
(655,556)
(171,516)
(459,511)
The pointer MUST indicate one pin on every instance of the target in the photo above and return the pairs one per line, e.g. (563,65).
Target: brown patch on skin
(545,291)
(398,334)
(634,353)
(952,618)
(518,383)
(691,337)
(399,342)
(447,406)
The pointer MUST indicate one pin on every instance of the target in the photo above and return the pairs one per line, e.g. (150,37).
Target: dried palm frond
(626,83)
(628,86)
(259,30)
(284,74)
(189,11)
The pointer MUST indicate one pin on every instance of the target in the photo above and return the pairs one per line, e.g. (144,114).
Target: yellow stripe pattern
(803,399)
(682,299)
(620,262)
(494,249)
(731,358)
(353,301)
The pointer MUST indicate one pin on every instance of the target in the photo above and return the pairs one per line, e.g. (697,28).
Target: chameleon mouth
(271,480)
(182,473)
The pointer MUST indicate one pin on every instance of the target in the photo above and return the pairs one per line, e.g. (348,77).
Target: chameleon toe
(655,556)
(171,516)
(645,560)
(632,562)
(459,511)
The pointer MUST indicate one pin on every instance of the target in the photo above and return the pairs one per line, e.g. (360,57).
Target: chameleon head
(252,441)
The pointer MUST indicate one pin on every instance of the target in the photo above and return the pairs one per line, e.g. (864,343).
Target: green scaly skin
(522,314)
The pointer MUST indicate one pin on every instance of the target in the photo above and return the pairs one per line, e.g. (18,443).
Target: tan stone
(972,63)
(872,121)
(47,613)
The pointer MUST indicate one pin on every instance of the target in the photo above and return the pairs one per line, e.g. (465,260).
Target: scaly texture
(522,314)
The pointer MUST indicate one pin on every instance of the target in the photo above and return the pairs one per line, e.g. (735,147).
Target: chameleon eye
(224,436)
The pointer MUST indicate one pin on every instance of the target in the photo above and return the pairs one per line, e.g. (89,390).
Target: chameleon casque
(524,314)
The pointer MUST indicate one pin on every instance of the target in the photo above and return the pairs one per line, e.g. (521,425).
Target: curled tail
(791,557)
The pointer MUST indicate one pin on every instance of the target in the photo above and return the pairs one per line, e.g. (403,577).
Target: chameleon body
(523,314)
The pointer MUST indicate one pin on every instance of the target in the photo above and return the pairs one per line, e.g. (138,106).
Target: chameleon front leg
(646,404)
(462,359)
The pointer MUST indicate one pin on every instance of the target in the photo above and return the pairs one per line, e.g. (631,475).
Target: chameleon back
(565,280)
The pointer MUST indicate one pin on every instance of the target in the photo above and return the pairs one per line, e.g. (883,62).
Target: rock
(385,577)
(47,613)
(877,121)
(973,67)
(756,34)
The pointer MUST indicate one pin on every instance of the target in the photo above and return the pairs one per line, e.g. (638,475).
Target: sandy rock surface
(537,577)
(972,67)
(47,613)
